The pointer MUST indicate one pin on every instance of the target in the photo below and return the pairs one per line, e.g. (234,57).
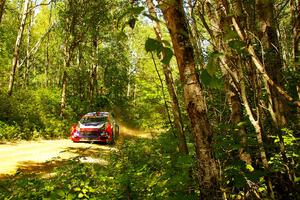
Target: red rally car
(95,126)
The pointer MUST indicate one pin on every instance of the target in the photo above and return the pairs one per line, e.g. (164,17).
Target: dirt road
(42,156)
(33,155)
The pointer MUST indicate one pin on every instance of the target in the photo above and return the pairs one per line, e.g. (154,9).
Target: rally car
(97,127)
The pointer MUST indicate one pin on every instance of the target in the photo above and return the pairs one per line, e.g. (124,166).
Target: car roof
(97,114)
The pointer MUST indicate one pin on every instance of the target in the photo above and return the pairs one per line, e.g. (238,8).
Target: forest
(216,82)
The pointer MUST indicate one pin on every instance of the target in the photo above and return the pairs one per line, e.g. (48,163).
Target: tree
(17,48)
(193,96)
(170,84)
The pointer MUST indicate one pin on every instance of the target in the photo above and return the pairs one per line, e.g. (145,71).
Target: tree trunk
(194,35)
(230,60)
(64,79)
(28,56)
(47,64)
(295,7)
(258,130)
(2,4)
(194,99)
(272,59)
(17,48)
(171,88)
(93,75)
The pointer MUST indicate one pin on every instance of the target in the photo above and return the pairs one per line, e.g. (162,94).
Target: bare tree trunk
(162,91)
(171,88)
(47,64)
(257,127)
(194,99)
(64,79)
(93,75)
(17,48)
(28,56)
(2,4)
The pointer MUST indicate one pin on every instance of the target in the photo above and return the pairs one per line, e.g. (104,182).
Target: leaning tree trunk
(17,48)
(193,96)
(171,88)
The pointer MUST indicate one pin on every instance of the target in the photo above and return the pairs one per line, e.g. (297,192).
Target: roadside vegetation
(216,82)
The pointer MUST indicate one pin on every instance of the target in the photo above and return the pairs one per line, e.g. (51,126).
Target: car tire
(112,140)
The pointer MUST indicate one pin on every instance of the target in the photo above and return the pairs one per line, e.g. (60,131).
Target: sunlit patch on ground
(40,157)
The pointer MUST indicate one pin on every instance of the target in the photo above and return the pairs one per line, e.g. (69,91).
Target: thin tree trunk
(162,90)
(257,127)
(93,75)
(17,48)
(64,79)
(47,64)
(271,59)
(171,88)
(208,173)
(228,61)
(194,35)
(259,65)
(28,56)
(2,4)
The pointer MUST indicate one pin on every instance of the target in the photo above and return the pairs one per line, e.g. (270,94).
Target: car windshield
(93,120)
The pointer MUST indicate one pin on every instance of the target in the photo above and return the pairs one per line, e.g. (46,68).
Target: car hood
(94,125)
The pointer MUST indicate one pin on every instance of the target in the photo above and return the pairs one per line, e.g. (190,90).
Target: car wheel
(112,140)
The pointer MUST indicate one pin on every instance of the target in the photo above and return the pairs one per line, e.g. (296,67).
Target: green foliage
(153,45)
(140,169)
(32,114)
(210,75)
(148,169)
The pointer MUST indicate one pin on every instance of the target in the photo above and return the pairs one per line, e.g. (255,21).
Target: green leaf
(210,81)
(249,167)
(213,63)
(137,10)
(237,45)
(153,45)
(230,35)
(205,77)
(216,83)
(60,193)
(168,53)
(80,195)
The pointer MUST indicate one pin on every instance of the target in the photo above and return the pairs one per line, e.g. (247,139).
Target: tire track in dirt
(26,155)
(36,157)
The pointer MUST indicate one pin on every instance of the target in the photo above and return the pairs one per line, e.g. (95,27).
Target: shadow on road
(96,154)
